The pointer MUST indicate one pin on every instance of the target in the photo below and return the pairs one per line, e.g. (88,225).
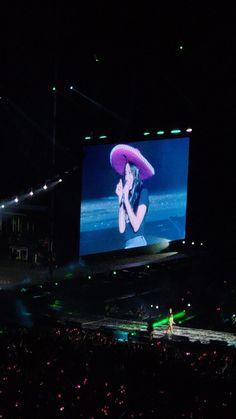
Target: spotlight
(71,87)
(45,187)
(192,243)
(189,130)
(16,199)
(157,307)
(60,180)
(2,206)
(31,193)
(183,241)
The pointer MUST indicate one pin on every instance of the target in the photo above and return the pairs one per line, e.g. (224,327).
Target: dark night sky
(143,79)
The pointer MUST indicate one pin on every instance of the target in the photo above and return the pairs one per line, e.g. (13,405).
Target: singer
(133,198)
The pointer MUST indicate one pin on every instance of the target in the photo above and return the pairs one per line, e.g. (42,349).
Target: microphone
(122,200)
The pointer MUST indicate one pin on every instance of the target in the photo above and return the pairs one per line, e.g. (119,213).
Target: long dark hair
(136,187)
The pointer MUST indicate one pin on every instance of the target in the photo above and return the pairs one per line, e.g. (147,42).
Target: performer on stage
(170,322)
(133,198)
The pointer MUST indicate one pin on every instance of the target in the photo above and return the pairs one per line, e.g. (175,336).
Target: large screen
(133,194)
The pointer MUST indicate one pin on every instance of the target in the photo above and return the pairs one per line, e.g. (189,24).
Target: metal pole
(51,246)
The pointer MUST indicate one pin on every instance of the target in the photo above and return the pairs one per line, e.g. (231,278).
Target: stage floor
(194,335)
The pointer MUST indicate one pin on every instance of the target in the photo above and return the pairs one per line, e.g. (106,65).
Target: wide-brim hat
(122,154)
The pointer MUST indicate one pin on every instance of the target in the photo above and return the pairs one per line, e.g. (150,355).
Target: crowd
(64,371)
(56,369)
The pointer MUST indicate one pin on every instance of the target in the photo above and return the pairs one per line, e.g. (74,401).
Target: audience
(57,369)
(67,372)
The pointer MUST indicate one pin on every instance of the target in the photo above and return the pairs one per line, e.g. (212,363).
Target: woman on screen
(132,196)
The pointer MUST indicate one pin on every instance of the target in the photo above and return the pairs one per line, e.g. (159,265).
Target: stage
(120,327)
(75,297)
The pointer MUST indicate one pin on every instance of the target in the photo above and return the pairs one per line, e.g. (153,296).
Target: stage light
(146,133)
(179,315)
(189,305)
(148,266)
(16,199)
(54,88)
(157,307)
(89,277)
(31,193)
(161,322)
(189,130)
(2,206)
(71,87)
(60,180)
(160,132)
(45,187)
(181,47)
(102,137)
(175,131)
(183,241)
(151,305)
(88,137)
(201,244)
(192,243)
(114,272)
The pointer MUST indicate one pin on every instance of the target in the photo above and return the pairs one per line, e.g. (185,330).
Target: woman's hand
(126,189)
(119,190)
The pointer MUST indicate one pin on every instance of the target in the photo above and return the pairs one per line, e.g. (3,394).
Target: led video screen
(133,194)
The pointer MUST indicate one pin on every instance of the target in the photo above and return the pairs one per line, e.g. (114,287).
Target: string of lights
(47,186)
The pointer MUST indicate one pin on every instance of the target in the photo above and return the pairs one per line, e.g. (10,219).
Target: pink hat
(122,154)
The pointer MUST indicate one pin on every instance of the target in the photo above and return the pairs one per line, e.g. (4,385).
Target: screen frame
(142,250)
